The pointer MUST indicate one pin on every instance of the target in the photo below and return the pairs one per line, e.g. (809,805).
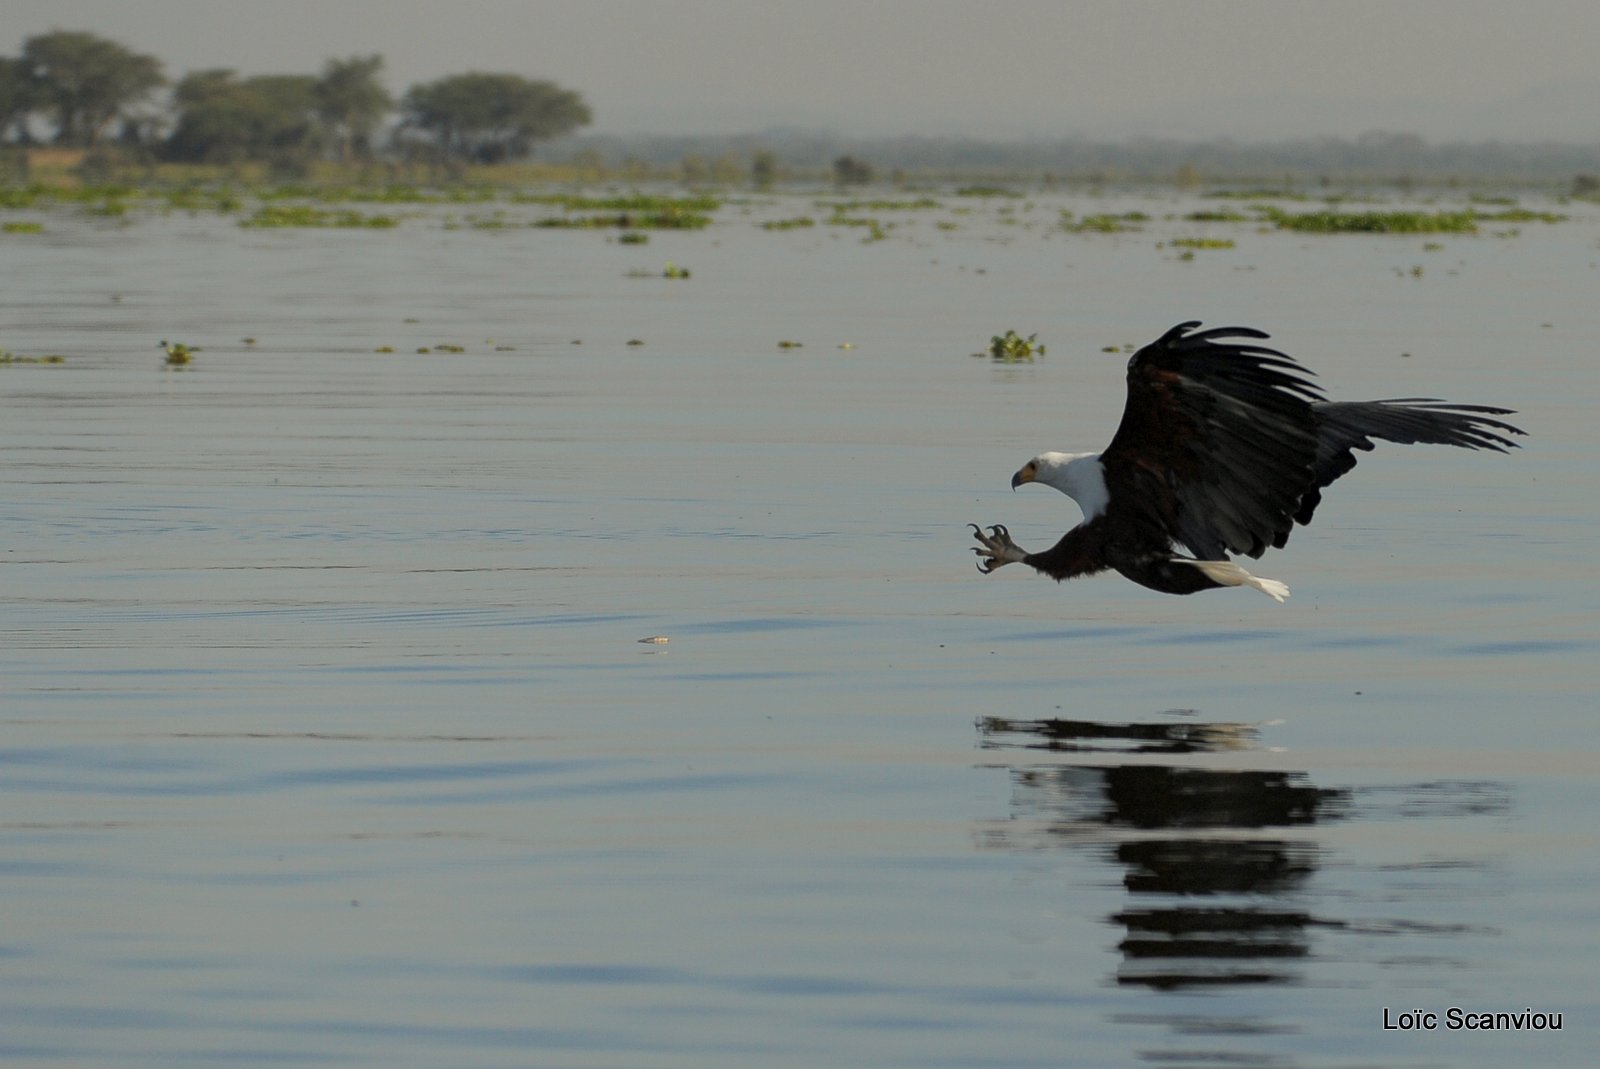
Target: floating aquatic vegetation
(22,196)
(1201,243)
(876,231)
(19,226)
(1103,223)
(7,357)
(1376,222)
(1523,215)
(1256,194)
(786,344)
(1225,215)
(633,237)
(178,354)
(1012,348)
(636,211)
(671,270)
(387,194)
(194,199)
(384,349)
(986,191)
(632,202)
(842,206)
(305,215)
(797,223)
(665,219)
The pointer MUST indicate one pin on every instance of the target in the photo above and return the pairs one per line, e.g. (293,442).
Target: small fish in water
(655,640)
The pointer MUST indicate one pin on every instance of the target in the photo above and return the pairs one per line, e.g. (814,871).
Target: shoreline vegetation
(544,196)
(636,198)
(35,176)
(66,170)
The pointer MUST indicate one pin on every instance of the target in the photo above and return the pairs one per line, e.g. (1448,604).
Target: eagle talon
(996,548)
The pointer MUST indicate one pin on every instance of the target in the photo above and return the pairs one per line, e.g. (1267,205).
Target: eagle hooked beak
(1024,475)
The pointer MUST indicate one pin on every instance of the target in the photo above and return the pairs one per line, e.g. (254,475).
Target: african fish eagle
(1223,447)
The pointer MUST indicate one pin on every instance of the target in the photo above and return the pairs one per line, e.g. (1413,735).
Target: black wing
(1343,426)
(1218,442)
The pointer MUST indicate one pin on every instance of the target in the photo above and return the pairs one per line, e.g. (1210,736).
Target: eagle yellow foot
(996,548)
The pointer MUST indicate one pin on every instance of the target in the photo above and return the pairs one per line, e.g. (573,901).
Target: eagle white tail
(1230,574)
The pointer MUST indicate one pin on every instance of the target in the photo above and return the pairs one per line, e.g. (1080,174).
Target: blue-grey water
(329,737)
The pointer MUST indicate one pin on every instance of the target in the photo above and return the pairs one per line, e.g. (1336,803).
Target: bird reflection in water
(1207,856)
(1226,871)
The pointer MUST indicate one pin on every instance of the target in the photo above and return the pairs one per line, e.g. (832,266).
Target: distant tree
(488,118)
(693,170)
(350,104)
(287,107)
(85,82)
(589,163)
(763,168)
(214,119)
(726,169)
(223,120)
(17,99)
(849,171)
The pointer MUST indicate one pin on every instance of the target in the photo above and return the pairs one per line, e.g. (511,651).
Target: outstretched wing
(1217,444)
(1343,426)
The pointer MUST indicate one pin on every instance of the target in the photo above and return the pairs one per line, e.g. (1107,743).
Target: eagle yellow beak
(1024,475)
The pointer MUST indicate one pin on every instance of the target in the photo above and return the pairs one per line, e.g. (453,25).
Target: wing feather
(1343,426)
(1218,442)
(1225,445)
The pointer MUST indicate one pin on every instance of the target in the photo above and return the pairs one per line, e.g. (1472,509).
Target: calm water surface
(329,738)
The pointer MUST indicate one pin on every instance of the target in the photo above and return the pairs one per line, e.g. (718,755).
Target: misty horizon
(1249,70)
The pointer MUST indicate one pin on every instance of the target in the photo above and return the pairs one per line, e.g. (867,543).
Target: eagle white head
(1080,476)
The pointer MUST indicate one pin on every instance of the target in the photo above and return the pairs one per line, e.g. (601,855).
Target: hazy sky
(1005,68)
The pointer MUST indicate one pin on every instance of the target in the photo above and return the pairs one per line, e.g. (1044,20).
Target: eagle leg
(996,548)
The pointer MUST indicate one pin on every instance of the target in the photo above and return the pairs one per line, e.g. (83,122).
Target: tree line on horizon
(75,89)
(93,93)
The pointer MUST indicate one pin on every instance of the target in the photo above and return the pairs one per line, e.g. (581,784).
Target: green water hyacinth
(1012,348)
(178,354)
(304,215)
(1375,222)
